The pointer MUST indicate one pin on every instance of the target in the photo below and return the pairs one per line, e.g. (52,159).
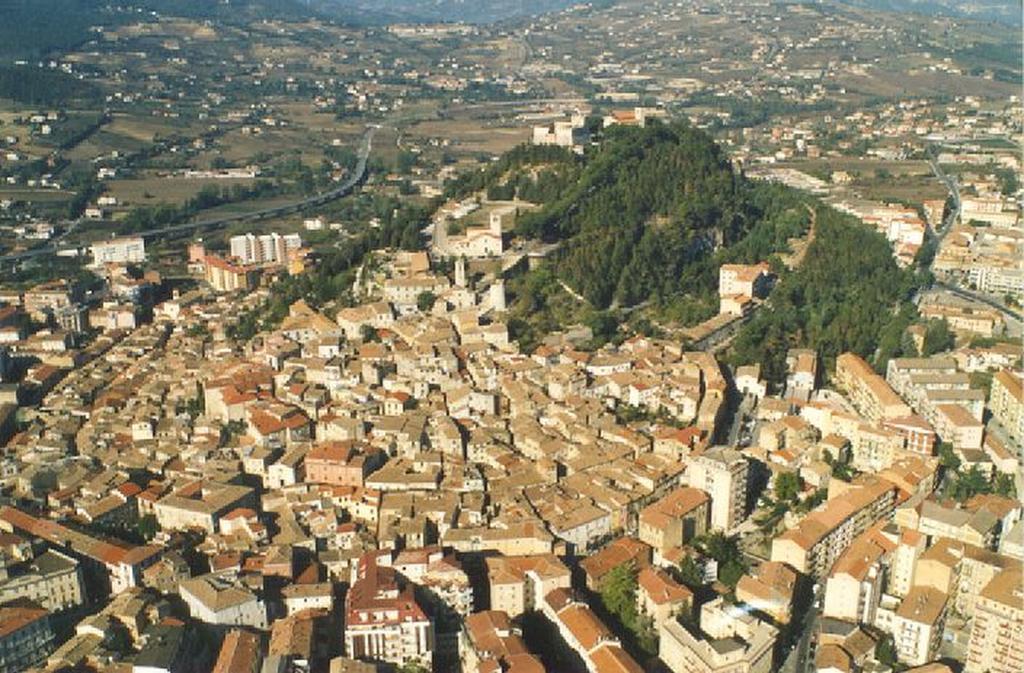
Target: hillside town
(611,337)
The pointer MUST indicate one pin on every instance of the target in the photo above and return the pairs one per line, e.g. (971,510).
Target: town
(514,347)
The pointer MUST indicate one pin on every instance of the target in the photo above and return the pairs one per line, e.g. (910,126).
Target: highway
(357,176)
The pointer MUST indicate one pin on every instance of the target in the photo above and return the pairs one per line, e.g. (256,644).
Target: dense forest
(50,88)
(848,295)
(646,216)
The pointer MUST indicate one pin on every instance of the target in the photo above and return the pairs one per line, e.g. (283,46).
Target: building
(219,599)
(340,464)
(660,597)
(721,472)
(51,579)
(517,583)
(490,642)
(854,586)
(868,391)
(586,634)
(383,620)
(771,589)
(200,505)
(918,624)
(264,249)
(996,643)
(730,640)
(675,519)
(225,276)
(26,638)
(127,250)
(1007,402)
(621,551)
(239,653)
(813,545)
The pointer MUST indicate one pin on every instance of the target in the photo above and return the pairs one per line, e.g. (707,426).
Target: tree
(885,651)
(367,333)
(425,301)
(691,573)
(938,338)
(947,458)
(787,487)
(725,549)
(147,527)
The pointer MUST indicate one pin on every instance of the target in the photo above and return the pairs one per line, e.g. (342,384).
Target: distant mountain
(420,11)
(1002,11)
(28,28)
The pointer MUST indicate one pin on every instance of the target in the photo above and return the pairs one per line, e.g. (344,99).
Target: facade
(128,250)
(264,249)
(674,519)
(1007,402)
(52,579)
(918,624)
(721,472)
(997,634)
(26,638)
(383,619)
(813,546)
(517,583)
(225,276)
(218,599)
(868,391)
(770,589)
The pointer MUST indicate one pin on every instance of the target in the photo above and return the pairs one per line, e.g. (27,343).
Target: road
(357,176)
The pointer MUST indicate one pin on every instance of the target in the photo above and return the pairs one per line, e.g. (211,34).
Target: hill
(649,213)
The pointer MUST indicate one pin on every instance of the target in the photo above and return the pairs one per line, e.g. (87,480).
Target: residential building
(127,250)
(51,579)
(721,472)
(26,638)
(770,588)
(996,642)
(1007,402)
(383,619)
(868,391)
(918,625)
(813,546)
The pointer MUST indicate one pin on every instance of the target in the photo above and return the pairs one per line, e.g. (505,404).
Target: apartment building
(930,383)
(996,643)
(918,624)
(270,248)
(586,634)
(383,619)
(854,586)
(200,505)
(26,638)
(813,546)
(1007,402)
(868,391)
(126,250)
(225,276)
(771,589)
(721,472)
